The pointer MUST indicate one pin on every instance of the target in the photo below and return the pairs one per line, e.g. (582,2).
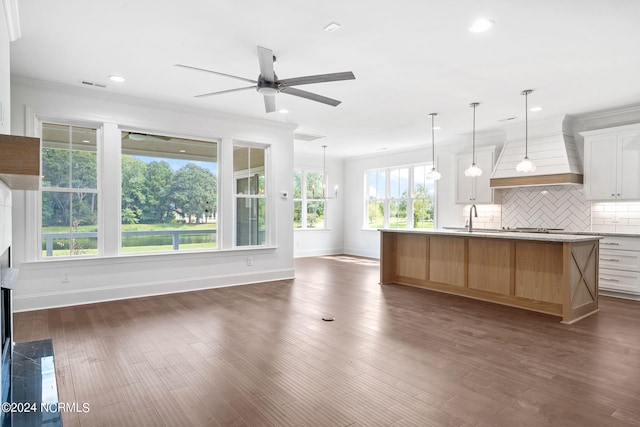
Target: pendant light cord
(473,139)
(433,142)
(526,124)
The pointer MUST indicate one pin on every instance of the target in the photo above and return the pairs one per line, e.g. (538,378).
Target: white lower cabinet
(619,266)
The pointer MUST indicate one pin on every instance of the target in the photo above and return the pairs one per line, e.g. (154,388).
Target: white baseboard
(137,290)
(315,252)
(363,253)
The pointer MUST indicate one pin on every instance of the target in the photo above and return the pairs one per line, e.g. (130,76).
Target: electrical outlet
(249,261)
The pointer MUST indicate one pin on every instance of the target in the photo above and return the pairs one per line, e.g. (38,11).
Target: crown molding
(13,19)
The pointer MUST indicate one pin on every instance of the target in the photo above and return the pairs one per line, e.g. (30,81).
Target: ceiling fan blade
(269,104)
(311,96)
(216,72)
(321,78)
(265,57)
(225,91)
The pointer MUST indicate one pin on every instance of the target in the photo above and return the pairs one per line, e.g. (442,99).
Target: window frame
(266,196)
(387,199)
(154,154)
(98,191)
(304,199)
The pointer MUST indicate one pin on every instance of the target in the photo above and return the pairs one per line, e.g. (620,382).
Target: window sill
(311,229)
(131,258)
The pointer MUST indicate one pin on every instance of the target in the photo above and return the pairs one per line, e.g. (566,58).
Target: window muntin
(400,197)
(309,205)
(169,193)
(69,197)
(249,171)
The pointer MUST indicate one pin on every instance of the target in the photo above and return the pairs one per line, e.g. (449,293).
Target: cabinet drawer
(615,280)
(623,243)
(620,260)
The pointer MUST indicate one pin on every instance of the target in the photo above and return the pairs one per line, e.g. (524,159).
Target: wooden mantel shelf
(554,274)
(20,162)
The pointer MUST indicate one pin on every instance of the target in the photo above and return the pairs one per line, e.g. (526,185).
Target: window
(400,197)
(422,197)
(308,205)
(377,194)
(169,193)
(251,195)
(69,208)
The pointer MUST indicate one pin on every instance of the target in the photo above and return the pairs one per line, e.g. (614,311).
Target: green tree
(158,179)
(193,191)
(134,191)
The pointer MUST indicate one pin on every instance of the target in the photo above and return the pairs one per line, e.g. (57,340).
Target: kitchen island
(550,273)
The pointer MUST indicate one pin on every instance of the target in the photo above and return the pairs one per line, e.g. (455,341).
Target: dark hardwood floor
(261,355)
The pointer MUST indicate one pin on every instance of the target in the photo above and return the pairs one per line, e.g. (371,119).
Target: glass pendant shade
(473,170)
(526,165)
(434,174)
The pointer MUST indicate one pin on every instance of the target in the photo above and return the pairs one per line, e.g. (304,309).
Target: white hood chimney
(553,150)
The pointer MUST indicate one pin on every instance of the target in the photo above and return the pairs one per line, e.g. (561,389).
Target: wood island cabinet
(554,274)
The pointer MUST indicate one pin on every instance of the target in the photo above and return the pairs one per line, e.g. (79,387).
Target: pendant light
(526,165)
(434,174)
(324,176)
(473,170)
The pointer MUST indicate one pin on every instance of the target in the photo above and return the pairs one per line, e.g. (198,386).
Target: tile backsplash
(489,216)
(561,207)
(615,217)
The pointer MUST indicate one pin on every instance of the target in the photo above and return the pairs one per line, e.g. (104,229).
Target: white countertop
(542,237)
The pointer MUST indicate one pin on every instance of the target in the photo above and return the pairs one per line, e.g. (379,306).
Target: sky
(176,164)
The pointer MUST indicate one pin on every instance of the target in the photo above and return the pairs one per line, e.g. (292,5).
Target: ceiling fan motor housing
(266,88)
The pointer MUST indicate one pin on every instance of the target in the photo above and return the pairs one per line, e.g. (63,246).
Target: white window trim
(110,247)
(305,200)
(387,198)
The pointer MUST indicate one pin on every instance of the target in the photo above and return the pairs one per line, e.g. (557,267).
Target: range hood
(552,149)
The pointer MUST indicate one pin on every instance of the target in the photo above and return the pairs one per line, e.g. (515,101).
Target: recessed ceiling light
(481,25)
(330,28)
(118,79)
(535,109)
(283,111)
(437,128)
(183,151)
(86,141)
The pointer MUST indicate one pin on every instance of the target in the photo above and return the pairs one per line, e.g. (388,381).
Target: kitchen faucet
(471,210)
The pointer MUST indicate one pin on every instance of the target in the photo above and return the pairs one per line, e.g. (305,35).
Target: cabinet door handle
(609,243)
(610,259)
(609,279)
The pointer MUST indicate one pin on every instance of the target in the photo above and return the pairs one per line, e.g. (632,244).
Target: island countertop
(498,234)
(551,273)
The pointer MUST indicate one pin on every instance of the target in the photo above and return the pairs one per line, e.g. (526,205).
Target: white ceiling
(410,58)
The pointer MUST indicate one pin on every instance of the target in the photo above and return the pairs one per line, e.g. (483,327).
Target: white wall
(5,73)
(5,217)
(52,283)
(329,241)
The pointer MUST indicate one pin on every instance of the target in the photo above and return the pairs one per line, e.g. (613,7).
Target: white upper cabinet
(475,190)
(612,163)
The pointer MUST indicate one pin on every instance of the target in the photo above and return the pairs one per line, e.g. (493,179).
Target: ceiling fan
(139,136)
(269,85)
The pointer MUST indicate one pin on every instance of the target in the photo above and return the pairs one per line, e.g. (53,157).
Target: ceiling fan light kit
(268,84)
